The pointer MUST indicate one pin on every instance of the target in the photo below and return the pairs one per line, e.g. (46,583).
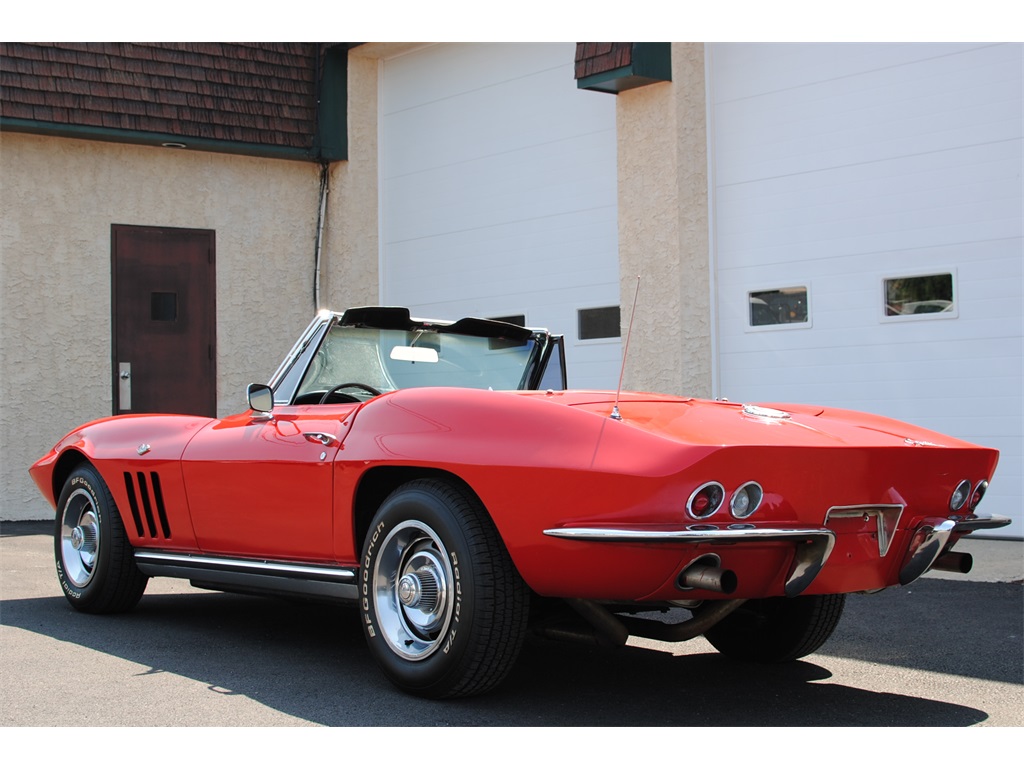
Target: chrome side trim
(259,576)
(887,518)
(813,545)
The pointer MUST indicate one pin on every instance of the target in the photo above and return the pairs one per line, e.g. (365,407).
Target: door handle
(323,438)
(124,386)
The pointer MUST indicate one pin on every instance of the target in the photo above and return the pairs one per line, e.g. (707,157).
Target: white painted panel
(894,111)
(835,166)
(499,191)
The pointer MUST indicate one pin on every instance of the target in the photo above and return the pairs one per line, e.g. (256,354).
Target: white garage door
(868,229)
(499,192)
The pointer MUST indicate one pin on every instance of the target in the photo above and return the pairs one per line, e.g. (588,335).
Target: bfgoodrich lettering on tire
(95,563)
(444,609)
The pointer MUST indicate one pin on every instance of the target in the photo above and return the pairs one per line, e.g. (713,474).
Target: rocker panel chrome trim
(251,575)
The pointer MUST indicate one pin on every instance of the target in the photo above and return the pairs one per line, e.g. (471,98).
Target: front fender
(124,449)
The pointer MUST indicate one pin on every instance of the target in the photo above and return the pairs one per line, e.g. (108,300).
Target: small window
(920,295)
(599,323)
(784,306)
(163,307)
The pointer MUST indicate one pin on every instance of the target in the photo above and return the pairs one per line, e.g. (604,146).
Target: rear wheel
(444,609)
(95,562)
(777,628)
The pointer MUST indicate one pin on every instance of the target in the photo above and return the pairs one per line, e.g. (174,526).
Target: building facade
(838,224)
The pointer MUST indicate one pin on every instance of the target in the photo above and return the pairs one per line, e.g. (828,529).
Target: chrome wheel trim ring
(79,538)
(412,590)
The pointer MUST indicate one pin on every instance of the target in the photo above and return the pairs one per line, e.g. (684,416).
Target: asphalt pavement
(947,650)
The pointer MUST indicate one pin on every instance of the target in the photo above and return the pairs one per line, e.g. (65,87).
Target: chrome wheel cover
(79,538)
(412,590)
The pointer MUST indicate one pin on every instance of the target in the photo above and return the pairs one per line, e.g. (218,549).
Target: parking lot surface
(939,652)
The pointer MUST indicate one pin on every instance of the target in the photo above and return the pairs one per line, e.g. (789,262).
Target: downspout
(324,175)
(325,171)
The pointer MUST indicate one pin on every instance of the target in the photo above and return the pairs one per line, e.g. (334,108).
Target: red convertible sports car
(440,476)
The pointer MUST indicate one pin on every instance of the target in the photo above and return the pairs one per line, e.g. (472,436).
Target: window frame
(599,339)
(882,286)
(748,294)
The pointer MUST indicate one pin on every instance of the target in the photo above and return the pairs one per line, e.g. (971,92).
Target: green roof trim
(331,141)
(122,136)
(650,63)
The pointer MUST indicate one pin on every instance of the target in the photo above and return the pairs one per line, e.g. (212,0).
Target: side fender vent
(152,501)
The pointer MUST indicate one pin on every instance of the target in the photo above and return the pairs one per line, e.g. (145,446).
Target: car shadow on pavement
(26,528)
(311,662)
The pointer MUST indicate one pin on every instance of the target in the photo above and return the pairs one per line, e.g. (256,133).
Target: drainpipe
(321,216)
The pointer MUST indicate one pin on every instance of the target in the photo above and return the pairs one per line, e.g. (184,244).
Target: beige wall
(663,229)
(351,267)
(59,198)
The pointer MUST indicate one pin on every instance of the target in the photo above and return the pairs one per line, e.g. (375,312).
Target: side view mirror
(261,398)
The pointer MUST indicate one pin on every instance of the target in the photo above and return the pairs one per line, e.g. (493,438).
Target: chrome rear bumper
(929,542)
(813,545)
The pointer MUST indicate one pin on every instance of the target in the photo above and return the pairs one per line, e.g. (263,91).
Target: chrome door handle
(124,386)
(323,438)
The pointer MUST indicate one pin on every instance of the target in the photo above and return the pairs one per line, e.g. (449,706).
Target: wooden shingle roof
(251,93)
(617,67)
(594,58)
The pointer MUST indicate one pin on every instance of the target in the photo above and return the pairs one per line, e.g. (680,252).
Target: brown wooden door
(164,320)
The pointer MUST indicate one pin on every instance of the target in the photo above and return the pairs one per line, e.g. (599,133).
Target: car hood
(693,421)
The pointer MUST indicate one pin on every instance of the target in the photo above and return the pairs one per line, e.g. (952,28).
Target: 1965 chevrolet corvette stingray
(441,477)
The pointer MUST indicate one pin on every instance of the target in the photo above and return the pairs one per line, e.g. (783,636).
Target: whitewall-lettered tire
(95,562)
(444,609)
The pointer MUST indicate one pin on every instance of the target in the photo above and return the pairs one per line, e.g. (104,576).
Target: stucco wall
(351,236)
(663,229)
(59,198)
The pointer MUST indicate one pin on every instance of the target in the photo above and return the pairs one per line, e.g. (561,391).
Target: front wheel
(777,628)
(95,562)
(444,609)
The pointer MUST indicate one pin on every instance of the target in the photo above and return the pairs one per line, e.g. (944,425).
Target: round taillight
(706,500)
(978,495)
(960,495)
(745,500)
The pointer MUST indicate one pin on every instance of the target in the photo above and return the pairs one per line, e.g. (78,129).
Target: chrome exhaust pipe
(704,573)
(954,562)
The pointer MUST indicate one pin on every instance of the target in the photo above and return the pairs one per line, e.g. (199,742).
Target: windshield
(386,360)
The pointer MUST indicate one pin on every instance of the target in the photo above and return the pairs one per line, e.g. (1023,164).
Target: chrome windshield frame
(547,348)
(313,335)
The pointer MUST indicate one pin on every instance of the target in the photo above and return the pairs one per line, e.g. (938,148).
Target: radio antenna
(625,351)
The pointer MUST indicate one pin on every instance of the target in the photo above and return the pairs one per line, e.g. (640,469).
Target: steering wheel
(365,387)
